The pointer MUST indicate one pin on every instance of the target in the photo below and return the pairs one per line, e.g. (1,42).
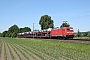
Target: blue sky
(26,12)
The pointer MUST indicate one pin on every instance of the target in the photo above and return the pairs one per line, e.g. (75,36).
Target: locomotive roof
(67,27)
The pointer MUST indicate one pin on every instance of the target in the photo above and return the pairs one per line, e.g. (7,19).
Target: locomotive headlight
(72,32)
(67,32)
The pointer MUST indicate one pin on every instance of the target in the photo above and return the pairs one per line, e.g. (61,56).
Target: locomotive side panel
(58,33)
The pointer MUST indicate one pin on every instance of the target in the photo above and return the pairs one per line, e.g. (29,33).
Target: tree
(13,30)
(88,35)
(25,29)
(85,34)
(64,24)
(4,34)
(46,22)
(0,34)
(78,34)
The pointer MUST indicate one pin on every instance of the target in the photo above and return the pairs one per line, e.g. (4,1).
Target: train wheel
(57,37)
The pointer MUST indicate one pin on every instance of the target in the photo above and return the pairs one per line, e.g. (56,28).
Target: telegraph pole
(33,30)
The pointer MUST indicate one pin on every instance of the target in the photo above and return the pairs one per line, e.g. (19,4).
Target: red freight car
(65,32)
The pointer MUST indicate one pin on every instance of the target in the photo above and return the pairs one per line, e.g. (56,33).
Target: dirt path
(8,53)
(2,52)
(14,53)
(21,55)
(30,58)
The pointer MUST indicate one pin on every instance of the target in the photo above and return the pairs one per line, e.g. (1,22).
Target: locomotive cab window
(69,28)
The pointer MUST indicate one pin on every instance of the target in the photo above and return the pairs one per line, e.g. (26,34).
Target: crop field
(36,49)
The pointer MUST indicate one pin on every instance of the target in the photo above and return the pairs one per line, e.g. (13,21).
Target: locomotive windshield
(69,28)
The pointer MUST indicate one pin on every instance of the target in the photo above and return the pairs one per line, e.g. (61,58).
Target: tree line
(13,30)
(82,34)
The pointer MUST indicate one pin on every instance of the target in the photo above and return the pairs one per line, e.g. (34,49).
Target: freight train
(58,33)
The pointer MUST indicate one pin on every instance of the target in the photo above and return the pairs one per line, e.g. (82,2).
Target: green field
(35,49)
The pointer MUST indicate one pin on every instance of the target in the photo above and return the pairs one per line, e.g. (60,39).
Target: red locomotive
(63,33)
(59,33)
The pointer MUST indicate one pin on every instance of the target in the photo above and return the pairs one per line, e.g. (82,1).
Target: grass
(55,49)
(82,38)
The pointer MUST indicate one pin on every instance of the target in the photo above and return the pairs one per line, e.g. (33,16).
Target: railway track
(77,41)
(86,41)
(82,39)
